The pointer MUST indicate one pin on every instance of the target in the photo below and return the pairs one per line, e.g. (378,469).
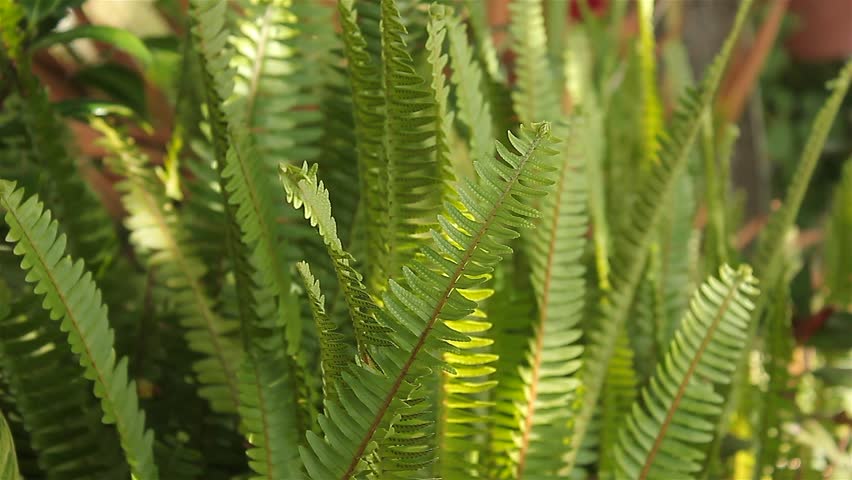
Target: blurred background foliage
(774,95)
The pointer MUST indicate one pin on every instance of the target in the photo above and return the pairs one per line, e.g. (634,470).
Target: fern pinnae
(770,251)
(437,33)
(474,110)
(438,276)
(770,256)
(535,96)
(157,236)
(413,145)
(333,352)
(558,279)
(71,296)
(668,432)
(638,232)
(365,77)
(306,191)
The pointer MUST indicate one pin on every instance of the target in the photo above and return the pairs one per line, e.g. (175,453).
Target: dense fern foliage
(371,248)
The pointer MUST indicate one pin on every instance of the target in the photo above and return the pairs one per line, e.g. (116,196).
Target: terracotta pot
(824,31)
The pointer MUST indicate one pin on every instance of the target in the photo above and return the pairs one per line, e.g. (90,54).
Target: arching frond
(669,430)
(771,248)
(305,190)
(471,242)
(678,259)
(70,295)
(637,234)
(278,99)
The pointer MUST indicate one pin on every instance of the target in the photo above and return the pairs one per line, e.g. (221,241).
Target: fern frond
(461,396)
(775,404)
(91,232)
(668,431)
(838,261)
(8,460)
(583,96)
(637,234)
(512,310)
(437,59)
(365,79)
(535,98)
(554,353)
(486,52)
(251,183)
(270,79)
(472,241)
(770,253)
(619,393)
(305,191)
(678,252)
(160,238)
(413,146)
(648,311)
(72,297)
(770,257)
(53,399)
(652,115)
(334,353)
(474,110)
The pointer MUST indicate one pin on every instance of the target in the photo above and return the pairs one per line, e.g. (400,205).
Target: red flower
(596,6)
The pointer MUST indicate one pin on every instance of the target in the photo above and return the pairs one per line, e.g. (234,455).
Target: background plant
(371,247)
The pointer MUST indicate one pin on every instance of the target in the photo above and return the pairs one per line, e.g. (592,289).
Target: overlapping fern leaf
(474,110)
(553,356)
(414,145)
(535,97)
(670,428)
(160,238)
(838,260)
(365,80)
(270,79)
(251,183)
(335,354)
(70,295)
(91,233)
(443,116)
(770,254)
(776,403)
(384,414)
(638,232)
(55,400)
(305,190)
